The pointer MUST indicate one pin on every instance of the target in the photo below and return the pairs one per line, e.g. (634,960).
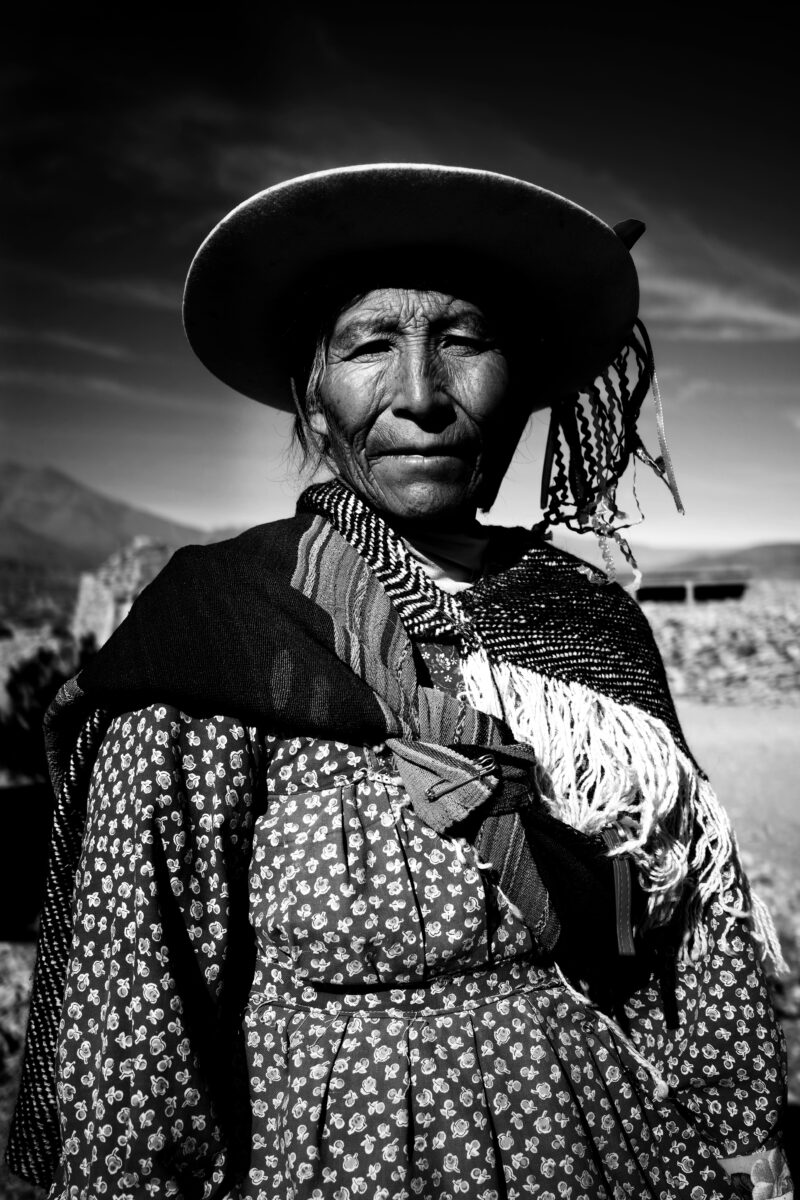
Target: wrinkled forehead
(428,279)
(402,308)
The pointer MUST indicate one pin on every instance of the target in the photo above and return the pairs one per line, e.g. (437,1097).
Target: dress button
(587,1027)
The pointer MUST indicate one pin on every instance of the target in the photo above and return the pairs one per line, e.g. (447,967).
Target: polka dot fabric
(401,1040)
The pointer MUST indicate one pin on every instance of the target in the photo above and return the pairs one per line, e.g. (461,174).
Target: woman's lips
(443,463)
(415,452)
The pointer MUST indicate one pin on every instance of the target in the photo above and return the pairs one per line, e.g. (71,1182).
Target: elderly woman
(381,867)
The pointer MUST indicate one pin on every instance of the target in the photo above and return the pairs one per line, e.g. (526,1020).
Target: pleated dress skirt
(404,1043)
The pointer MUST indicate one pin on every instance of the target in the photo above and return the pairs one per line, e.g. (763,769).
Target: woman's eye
(376,346)
(457,341)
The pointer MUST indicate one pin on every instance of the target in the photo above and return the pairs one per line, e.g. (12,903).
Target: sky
(126,143)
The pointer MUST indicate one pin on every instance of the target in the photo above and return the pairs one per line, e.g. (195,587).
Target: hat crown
(264,268)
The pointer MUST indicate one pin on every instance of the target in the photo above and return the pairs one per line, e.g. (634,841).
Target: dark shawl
(287,627)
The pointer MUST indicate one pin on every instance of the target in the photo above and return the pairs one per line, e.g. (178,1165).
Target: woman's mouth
(424,452)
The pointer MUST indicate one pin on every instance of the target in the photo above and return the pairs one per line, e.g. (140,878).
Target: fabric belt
(440,993)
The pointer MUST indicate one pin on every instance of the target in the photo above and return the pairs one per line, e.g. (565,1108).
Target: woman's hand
(762,1176)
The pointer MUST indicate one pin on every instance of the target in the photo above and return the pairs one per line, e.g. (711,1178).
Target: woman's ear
(316,419)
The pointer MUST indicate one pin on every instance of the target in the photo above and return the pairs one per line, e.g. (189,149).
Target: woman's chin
(419,488)
(419,502)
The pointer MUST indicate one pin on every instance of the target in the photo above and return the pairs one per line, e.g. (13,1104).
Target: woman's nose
(417,385)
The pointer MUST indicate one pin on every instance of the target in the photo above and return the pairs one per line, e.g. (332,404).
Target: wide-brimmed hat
(270,271)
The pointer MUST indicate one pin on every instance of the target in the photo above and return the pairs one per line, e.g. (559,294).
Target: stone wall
(105,596)
(733,651)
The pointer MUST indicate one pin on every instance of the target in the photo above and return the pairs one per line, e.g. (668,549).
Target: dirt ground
(751,757)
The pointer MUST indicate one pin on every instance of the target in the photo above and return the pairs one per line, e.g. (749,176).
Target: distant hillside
(778,560)
(52,528)
(40,504)
(649,558)
(26,547)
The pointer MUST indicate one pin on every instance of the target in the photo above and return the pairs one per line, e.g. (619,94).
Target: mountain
(649,558)
(46,515)
(26,547)
(774,560)
(52,528)
(41,507)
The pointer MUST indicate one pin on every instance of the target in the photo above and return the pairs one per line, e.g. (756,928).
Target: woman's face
(416,404)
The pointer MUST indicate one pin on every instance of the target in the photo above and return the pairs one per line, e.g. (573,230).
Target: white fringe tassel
(605,763)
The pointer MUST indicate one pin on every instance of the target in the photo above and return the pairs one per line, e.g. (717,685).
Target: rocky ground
(16,966)
(736,651)
(22,644)
(734,668)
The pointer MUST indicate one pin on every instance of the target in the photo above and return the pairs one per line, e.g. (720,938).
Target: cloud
(65,384)
(137,291)
(315,140)
(681,390)
(50,383)
(63,340)
(678,391)
(702,310)
(141,293)
(187,157)
(695,286)
(24,377)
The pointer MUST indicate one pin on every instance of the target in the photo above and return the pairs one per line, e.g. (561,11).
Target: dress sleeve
(152,1100)
(726,1060)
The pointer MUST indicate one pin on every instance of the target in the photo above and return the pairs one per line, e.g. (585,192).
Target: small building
(106,595)
(694,584)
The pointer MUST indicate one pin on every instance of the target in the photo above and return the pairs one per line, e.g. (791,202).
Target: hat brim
(270,267)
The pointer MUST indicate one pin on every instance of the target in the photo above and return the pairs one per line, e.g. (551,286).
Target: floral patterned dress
(401,1039)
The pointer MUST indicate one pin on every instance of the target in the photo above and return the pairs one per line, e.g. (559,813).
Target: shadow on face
(417,406)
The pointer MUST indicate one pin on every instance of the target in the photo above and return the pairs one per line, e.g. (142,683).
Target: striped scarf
(569,663)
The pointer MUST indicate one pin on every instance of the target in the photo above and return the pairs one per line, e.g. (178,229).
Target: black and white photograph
(399,603)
